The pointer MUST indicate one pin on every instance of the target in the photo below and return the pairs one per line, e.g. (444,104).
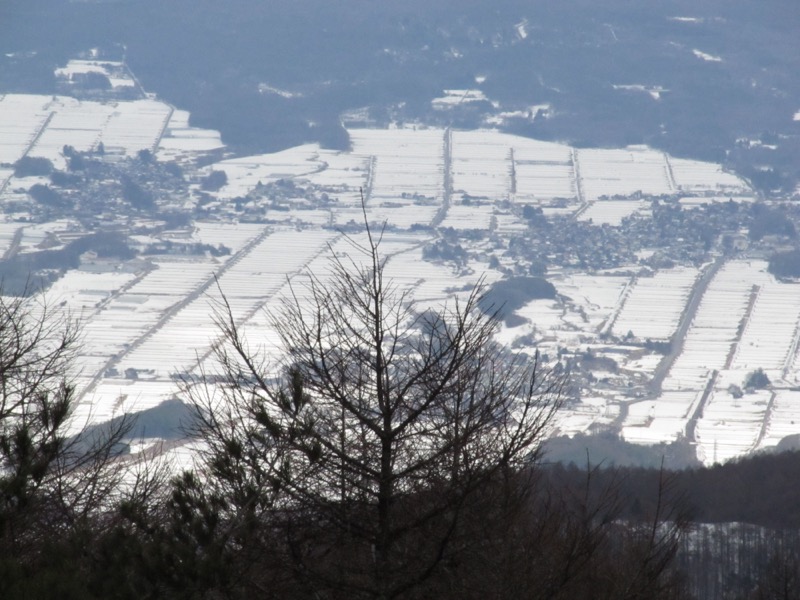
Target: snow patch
(705,56)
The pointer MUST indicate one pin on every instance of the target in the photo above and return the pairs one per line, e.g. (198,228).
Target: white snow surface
(142,327)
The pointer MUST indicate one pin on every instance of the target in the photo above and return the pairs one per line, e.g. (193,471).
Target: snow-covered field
(117,73)
(714,332)
(22,117)
(731,426)
(696,176)
(598,297)
(180,140)
(472,216)
(769,340)
(606,172)
(406,162)
(661,420)
(746,320)
(783,419)
(543,171)
(245,173)
(143,327)
(41,126)
(654,305)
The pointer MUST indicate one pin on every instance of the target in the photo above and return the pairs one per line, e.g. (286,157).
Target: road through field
(676,344)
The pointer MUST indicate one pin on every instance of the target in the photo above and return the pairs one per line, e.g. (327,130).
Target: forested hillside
(712,80)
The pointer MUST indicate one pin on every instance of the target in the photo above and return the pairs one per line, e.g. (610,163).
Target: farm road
(676,345)
(448,179)
(175,309)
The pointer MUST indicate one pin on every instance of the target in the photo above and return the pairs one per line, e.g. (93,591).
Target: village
(137,222)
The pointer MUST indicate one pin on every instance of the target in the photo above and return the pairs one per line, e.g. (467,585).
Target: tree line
(383,453)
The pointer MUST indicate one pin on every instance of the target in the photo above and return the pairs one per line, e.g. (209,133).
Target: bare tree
(366,443)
